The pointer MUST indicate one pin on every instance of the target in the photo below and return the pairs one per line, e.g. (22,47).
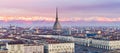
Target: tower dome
(57,27)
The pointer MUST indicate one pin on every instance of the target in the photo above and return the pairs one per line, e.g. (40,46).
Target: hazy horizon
(71,12)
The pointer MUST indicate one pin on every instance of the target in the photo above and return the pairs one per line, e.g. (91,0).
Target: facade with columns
(59,48)
(98,43)
(106,44)
(33,48)
(24,48)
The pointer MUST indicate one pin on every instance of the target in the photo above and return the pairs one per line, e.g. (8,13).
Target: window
(34,52)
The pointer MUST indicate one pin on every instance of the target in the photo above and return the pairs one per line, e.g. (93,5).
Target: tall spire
(57,26)
(56,14)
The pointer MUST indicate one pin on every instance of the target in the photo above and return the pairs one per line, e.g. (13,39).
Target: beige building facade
(59,48)
(33,49)
(22,48)
(15,48)
(3,51)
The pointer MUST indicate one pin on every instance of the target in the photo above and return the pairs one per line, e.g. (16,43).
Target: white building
(33,49)
(58,44)
(59,48)
(19,47)
(106,44)
(98,43)
(15,48)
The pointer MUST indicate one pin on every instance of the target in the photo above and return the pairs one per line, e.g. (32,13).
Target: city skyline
(59,26)
(42,12)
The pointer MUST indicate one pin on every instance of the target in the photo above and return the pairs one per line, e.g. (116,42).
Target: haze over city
(59,26)
(75,12)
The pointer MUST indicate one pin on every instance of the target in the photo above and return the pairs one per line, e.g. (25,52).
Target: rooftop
(16,42)
(49,40)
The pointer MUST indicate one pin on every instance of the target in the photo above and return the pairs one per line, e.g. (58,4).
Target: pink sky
(38,18)
(69,10)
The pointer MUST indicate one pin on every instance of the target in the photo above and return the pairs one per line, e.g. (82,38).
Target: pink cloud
(38,18)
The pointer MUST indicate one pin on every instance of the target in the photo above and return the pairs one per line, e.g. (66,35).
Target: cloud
(47,19)
(10,10)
